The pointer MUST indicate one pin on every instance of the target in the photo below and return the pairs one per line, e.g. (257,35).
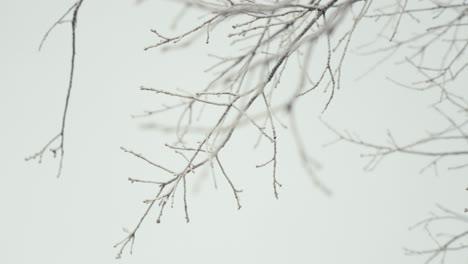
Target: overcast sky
(79,217)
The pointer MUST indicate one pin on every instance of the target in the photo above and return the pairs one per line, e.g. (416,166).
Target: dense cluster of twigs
(437,54)
(269,35)
(265,36)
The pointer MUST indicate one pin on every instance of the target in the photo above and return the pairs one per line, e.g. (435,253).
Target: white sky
(79,217)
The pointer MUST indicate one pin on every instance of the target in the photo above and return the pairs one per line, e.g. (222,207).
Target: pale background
(79,217)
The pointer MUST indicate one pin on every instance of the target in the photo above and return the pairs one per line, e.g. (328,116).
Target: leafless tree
(266,38)
(437,55)
(442,38)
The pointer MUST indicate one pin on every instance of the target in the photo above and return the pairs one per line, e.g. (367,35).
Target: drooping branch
(60,138)
(276,32)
